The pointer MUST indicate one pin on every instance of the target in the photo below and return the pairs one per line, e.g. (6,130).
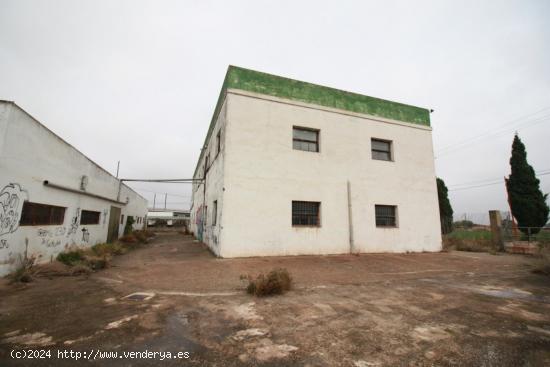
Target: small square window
(305,139)
(305,213)
(386,215)
(381,149)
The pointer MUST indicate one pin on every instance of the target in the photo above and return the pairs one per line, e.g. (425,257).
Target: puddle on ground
(506,293)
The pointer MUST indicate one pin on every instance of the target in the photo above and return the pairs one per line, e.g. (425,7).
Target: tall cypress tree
(527,202)
(445,208)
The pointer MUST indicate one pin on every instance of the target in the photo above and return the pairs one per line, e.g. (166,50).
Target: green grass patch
(475,234)
(71,258)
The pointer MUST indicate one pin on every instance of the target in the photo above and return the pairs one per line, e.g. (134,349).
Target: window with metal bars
(305,213)
(305,139)
(386,215)
(381,149)
(34,214)
(89,217)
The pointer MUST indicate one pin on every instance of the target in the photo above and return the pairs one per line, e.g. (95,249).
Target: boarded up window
(35,214)
(89,217)
(305,213)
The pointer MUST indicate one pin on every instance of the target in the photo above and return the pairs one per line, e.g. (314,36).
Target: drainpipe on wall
(350,221)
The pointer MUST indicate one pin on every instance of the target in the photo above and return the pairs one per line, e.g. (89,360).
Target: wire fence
(472,232)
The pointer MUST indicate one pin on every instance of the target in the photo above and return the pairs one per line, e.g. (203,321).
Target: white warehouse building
(290,168)
(52,197)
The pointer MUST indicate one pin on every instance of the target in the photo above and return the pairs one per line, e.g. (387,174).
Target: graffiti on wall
(75,220)
(105,212)
(199,221)
(85,235)
(4,244)
(12,198)
(48,236)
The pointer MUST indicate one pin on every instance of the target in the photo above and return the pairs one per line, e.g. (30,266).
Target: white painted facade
(258,174)
(30,154)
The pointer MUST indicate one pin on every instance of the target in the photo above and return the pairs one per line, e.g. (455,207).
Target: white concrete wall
(263,174)
(211,189)
(31,154)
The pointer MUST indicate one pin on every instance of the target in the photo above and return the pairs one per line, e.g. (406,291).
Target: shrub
(140,236)
(128,238)
(129,225)
(108,249)
(277,281)
(95,262)
(71,257)
(24,272)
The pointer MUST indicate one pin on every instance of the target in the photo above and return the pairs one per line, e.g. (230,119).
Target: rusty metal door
(114,218)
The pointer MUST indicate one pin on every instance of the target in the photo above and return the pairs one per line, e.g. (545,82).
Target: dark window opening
(218,142)
(386,215)
(305,139)
(305,213)
(381,149)
(215,213)
(89,217)
(34,214)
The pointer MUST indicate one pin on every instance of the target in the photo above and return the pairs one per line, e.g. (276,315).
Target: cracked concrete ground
(371,310)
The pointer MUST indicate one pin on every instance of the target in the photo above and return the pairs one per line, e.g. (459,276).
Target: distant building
(52,197)
(291,168)
(167,217)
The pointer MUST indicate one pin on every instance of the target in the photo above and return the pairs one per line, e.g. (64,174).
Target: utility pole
(117,168)
(165,196)
(154,200)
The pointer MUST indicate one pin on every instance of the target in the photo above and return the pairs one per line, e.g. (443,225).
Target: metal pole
(165,196)
(351,244)
(154,200)
(117,168)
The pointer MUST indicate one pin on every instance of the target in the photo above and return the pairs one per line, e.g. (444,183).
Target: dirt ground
(426,309)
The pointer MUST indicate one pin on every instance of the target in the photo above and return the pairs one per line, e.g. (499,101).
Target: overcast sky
(137,81)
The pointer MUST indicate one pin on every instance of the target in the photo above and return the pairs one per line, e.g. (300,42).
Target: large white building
(292,168)
(52,197)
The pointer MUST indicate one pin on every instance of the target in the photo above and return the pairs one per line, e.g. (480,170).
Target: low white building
(167,216)
(291,168)
(52,197)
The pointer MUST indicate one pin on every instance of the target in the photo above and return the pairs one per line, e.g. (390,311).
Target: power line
(161,193)
(511,122)
(538,173)
(503,129)
(501,181)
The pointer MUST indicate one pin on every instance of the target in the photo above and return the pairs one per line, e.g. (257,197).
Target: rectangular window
(218,142)
(386,215)
(89,217)
(305,213)
(215,213)
(34,214)
(305,139)
(381,149)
